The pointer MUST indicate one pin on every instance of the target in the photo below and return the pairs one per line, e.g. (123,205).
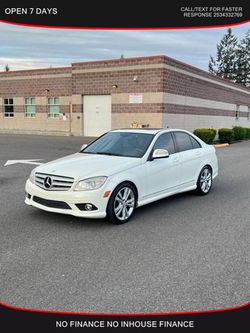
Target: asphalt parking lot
(182,253)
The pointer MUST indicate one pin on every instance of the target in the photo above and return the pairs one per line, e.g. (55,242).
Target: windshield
(120,144)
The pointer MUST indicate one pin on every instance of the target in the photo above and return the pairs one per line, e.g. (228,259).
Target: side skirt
(165,195)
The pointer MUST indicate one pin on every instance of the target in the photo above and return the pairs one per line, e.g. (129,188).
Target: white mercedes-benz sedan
(121,170)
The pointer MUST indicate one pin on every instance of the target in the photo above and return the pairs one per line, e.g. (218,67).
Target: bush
(247,133)
(205,134)
(226,135)
(239,133)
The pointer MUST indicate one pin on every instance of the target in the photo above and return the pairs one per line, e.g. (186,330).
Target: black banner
(237,319)
(75,14)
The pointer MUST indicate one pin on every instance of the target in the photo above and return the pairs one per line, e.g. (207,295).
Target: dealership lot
(182,253)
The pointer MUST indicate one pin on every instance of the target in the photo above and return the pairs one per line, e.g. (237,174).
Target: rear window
(195,143)
(183,141)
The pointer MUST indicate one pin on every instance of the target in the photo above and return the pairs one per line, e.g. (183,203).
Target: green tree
(243,61)
(7,68)
(225,62)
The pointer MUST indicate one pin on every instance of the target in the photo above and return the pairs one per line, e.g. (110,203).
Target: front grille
(51,203)
(52,182)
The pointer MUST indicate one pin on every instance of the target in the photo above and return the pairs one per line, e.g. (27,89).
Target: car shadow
(66,220)
(175,200)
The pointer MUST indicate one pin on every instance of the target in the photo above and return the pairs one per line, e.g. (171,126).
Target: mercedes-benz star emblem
(47,182)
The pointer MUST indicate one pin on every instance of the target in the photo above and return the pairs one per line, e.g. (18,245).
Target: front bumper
(66,202)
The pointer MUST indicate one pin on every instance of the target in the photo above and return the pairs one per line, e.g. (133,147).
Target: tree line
(232,59)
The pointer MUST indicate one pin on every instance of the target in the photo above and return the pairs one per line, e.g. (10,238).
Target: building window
(8,107)
(248,113)
(237,112)
(53,107)
(30,107)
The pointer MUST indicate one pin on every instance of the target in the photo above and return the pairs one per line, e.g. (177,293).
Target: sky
(30,47)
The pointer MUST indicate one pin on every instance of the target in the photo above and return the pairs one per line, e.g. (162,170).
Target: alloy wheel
(206,180)
(124,203)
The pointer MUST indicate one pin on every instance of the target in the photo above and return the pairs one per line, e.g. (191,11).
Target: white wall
(191,122)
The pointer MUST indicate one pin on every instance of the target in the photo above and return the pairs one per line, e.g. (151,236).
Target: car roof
(147,130)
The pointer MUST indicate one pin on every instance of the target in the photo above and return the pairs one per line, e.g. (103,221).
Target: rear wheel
(205,181)
(121,204)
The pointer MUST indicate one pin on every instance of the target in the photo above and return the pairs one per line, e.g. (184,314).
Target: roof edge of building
(210,75)
(34,70)
(163,58)
(119,60)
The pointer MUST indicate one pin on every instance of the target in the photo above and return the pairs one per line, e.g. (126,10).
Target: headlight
(90,184)
(32,176)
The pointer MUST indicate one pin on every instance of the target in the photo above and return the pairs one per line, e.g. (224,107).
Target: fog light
(88,206)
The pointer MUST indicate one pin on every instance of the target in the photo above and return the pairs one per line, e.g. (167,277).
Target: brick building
(89,98)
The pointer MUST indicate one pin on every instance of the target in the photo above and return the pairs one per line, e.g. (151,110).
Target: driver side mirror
(160,153)
(83,146)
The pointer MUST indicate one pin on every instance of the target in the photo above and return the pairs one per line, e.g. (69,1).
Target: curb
(221,145)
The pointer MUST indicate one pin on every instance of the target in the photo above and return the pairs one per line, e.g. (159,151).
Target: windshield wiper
(109,154)
(103,153)
(86,152)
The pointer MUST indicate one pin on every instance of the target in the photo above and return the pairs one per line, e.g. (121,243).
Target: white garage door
(97,114)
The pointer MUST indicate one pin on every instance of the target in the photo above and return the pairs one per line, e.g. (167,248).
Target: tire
(122,204)
(205,181)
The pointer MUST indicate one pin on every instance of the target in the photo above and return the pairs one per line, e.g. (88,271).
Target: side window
(8,107)
(165,141)
(30,107)
(53,107)
(183,141)
(195,143)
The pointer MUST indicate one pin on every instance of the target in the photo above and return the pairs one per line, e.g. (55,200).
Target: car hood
(82,165)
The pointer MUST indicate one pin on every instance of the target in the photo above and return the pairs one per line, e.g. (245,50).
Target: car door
(162,174)
(190,155)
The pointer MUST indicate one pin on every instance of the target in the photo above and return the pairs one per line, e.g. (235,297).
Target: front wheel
(205,181)
(121,204)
